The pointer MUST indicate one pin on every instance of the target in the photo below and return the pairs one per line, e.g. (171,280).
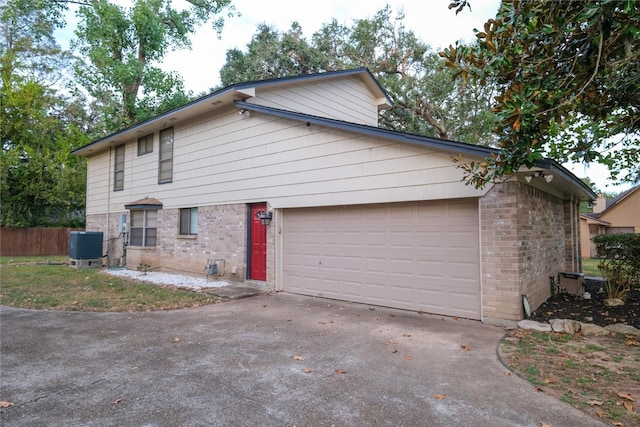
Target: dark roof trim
(239,87)
(442,144)
(560,170)
(133,207)
(620,197)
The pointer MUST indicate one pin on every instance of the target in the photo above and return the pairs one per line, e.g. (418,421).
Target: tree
(121,46)
(40,184)
(568,77)
(427,101)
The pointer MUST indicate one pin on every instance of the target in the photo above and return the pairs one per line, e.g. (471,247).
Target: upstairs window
(189,221)
(118,168)
(143,229)
(165,164)
(145,145)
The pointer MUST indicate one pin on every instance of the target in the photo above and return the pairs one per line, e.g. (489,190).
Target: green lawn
(590,267)
(38,283)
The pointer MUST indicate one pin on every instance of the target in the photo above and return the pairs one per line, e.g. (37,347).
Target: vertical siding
(344,99)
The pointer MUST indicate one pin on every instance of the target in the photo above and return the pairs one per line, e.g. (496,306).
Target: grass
(590,267)
(33,283)
(593,374)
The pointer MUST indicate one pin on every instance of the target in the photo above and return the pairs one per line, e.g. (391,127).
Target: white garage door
(415,256)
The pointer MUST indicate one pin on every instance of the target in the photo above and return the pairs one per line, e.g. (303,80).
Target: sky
(430,20)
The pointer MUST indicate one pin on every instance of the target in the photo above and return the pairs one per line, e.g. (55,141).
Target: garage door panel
(418,256)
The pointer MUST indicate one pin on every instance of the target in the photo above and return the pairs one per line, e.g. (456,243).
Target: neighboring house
(618,215)
(358,213)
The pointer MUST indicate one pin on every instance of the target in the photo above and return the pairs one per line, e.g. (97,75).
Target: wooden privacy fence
(35,241)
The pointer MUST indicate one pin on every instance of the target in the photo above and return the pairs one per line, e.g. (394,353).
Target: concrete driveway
(243,363)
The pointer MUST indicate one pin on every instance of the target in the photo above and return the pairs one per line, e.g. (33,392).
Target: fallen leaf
(420,312)
(5,404)
(392,342)
(175,339)
(392,315)
(506,373)
(306,370)
(456,318)
(465,347)
(549,381)
(296,357)
(596,402)
(629,406)
(406,334)
(545,425)
(633,343)
(117,400)
(617,424)
(394,350)
(376,318)
(439,396)
(600,414)
(538,390)
(408,357)
(625,396)
(341,371)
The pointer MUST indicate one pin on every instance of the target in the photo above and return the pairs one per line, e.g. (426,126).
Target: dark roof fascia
(158,118)
(556,168)
(458,147)
(143,206)
(240,87)
(621,196)
(594,217)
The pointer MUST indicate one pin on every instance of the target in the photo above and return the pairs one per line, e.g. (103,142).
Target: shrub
(619,262)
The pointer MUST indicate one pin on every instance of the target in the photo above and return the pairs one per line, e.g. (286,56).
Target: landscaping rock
(532,325)
(567,326)
(620,328)
(613,302)
(589,329)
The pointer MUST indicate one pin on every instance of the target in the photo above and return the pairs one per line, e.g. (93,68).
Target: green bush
(619,262)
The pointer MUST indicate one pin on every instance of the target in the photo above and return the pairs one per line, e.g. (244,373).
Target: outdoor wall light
(547,178)
(264,217)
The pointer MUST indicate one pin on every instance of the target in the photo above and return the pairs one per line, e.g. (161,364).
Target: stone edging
(572,327)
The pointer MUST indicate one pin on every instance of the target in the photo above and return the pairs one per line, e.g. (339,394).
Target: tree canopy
(121,49)
(568,78)
(427,100)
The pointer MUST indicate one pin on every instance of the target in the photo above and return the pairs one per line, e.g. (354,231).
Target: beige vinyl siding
(234,159)
(342,99)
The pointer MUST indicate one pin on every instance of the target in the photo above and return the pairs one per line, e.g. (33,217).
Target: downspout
(108,207)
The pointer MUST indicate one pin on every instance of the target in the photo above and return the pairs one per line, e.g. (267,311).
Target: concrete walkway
(268,360)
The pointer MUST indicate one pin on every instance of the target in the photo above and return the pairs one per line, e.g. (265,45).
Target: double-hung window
(145,145)
(165,164)
(189,221)
(118,168)
(143,227)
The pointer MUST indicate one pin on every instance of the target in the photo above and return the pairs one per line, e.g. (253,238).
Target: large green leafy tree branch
(40,183)
(568,78)
(122,48)
(427,100)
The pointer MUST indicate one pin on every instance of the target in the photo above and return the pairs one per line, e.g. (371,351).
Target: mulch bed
(567,306)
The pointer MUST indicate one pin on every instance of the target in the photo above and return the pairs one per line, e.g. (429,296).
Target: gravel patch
(161,278)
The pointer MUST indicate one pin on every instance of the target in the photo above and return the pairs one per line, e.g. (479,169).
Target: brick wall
(222,232)
(113,239)
(541,234)
(523,233)
(499,246)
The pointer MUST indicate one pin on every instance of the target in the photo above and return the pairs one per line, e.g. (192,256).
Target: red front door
(258,244)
